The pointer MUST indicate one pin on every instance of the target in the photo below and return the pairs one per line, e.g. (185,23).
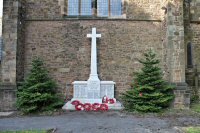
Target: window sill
(95,17)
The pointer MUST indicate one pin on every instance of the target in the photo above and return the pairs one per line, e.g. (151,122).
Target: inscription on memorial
(80,91)
(93,94)
(93,85)
(107,90)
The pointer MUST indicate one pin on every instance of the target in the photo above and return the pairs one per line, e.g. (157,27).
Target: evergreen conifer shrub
(37,93)
(149,92)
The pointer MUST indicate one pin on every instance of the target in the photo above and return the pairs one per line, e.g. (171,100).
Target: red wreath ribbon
(105,99)
(79,107)
(75,102)
(104,107)
(140,94)
(111,101)
(95,106)
(87,106)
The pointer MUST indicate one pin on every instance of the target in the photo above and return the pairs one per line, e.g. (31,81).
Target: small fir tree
(37,93)
(149,92)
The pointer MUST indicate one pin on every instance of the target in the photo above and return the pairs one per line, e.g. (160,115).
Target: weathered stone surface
(5,114)
(0,26)
(182,99)
(176,46)
(7,97)
(10,23)
(12,50)
(133,9)
(144,9)
(195,44)
(42,9)
(195,10)
(37,28)
(63,45)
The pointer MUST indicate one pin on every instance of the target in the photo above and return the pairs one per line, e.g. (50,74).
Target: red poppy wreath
(87,106)
(95,106)
(75,102)
(79,107)
(104,107)
(111,101)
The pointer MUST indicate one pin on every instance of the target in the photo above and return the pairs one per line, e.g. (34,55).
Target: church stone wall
(7,97)
(37,28)
(176,49)
(133,9)
(20,42)
(196,43)
(9,50)
(195,10)
(10,21)
(62,42)
(144,9)
(192,31)
(0,26)
(42,9)
(66,50)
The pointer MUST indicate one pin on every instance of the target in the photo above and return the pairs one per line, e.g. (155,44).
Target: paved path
(98,122)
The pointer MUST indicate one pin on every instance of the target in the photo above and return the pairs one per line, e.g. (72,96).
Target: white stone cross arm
(94,34)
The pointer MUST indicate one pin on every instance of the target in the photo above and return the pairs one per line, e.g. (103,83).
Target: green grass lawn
(195,107)
(191,129)
(27,131)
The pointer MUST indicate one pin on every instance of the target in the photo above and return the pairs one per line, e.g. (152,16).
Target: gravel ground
(103,122)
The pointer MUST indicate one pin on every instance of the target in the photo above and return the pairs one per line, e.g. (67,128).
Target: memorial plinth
(93,90)
(84,94)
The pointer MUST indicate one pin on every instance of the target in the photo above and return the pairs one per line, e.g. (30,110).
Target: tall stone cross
(93,67)
(93,82)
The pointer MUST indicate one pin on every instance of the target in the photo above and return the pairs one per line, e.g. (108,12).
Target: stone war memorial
(93,90)
(91,48)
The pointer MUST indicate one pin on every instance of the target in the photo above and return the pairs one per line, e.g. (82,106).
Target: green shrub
(194,98)
(37,93)
(195,107)
(191,129)
(149,92)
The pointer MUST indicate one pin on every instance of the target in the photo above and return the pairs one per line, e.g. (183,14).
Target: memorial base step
(115,106)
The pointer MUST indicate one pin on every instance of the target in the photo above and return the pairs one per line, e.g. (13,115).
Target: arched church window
(189,55)
(99,8)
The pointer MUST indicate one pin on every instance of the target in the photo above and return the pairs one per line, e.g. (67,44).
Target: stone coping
(115,106)
(181,86)
(6,114)
(8,87)
(102,82)
(82,18)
